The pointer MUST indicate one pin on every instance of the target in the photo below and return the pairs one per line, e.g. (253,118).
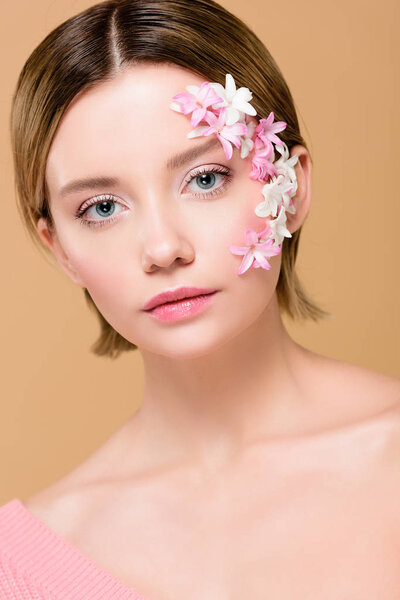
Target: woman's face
(159,227)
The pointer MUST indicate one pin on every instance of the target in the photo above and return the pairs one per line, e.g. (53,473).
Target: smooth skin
(253,466)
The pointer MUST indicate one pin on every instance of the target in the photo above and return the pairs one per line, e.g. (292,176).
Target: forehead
(125,119)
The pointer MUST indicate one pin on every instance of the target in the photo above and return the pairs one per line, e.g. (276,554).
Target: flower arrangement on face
(226,110)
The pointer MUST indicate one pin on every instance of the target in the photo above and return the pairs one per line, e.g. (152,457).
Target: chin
(198,340)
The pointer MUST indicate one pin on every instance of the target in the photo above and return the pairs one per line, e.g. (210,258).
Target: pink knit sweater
(38,564)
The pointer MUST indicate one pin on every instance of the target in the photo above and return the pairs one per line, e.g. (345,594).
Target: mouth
(181,300)
(171,296)
(183,308)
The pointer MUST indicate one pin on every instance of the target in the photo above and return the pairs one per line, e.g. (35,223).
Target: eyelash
(108,197)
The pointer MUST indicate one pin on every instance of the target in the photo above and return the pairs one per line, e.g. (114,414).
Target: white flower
(247,143)
(289,208)
(285,165)
(236,101)
(198,131)
(193,89)
(176,106)
(274,193)
(278,228)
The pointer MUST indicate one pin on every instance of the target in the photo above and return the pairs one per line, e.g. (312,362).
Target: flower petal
(278,126)
(246,263)
(175,106)
(228,135)
(232,115)
(230,86)
(251,236)
(268,249)
(243,95)
(226,146)
(246,147)
(193,89)
(220,91)
(211,118)
(186,101)
(262,210)
(239,128)
(197,116)
(208,95)
(238,249)
(198,131)
(245,107)
(262,260)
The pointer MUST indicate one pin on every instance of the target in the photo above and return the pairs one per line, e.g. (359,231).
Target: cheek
(108,275)
(255,287)
(237,216)
(260,282)
(113,286)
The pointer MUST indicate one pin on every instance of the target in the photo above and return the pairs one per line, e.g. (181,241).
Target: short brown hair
(93,46)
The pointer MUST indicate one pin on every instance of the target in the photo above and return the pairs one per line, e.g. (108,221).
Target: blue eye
(105,208)
(207,179)
(100,210)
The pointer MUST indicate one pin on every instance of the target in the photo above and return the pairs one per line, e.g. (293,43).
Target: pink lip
(176,294)
(182,309)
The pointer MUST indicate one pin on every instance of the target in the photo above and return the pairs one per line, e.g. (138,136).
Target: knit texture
(38,564)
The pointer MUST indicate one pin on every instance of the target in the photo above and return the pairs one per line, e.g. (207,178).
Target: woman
(253,466)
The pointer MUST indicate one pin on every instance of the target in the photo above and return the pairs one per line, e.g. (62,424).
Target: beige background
(341,61)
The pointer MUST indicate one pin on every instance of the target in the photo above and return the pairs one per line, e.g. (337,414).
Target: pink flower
(267,129)
(266,232)
(255,250)
(262,169)
(195,101)
(263,159)
(227,134)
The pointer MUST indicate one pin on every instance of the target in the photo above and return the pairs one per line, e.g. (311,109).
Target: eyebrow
(181,159)
(176,161)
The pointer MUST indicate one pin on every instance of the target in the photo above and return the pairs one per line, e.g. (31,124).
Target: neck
(205,410)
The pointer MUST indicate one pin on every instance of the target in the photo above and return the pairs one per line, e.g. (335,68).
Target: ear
(302,199)
(50,239)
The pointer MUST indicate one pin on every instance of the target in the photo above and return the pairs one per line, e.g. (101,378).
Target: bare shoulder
(63,510)
(356,392)
(362,406)
(68,502)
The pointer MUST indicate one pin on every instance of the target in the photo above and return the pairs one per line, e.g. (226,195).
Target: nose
(166,240)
